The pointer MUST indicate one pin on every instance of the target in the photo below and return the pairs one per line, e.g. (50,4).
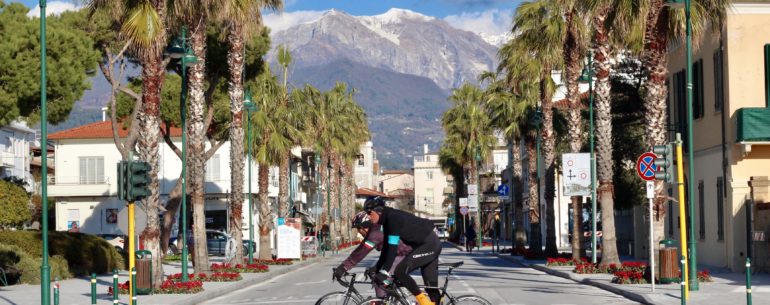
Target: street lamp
(691,244)
(318,207)
(536,120)
(45,269)
(478,195)
(588,77)
(250,106)
(180,50)
(329,196)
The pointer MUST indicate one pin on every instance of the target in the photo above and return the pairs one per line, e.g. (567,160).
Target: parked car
(217,243)
(442,233)
(117,241)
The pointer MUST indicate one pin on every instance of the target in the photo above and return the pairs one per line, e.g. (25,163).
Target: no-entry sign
(645,166)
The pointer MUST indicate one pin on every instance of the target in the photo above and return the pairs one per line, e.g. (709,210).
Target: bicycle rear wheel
(470,300)
(380,301)
(338,298)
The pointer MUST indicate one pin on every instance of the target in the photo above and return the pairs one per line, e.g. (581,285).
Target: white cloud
(54,8)
(493,21)
(280,21)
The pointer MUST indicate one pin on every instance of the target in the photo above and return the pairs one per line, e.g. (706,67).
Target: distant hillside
(404,111)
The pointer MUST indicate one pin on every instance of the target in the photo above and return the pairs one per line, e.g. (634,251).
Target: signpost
(650,197)
(576,170)
(463,202)
(646,168)
(473,203)
(503,192)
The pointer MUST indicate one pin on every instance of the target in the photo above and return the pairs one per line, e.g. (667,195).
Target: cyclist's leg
(419,257)
(430,273)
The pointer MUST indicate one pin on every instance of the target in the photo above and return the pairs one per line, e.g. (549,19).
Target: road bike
(399,296)
(350,296)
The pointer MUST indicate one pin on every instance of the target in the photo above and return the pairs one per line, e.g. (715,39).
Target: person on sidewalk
(470,238)
(373,239)
(400,226)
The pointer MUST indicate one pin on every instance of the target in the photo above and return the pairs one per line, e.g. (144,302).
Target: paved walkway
(78,290)
(727,287)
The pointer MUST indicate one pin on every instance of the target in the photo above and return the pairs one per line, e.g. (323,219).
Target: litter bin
(669,262)
(143,272)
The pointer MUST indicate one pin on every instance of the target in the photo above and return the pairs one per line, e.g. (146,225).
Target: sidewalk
(727,287)
(78,290)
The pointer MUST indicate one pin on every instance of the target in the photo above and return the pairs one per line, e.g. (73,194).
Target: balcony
(753,128)
(61,186)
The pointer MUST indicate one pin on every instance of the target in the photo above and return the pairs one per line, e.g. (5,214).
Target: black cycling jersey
(399,225)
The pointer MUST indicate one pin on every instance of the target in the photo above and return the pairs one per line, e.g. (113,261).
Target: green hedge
(85,254)
(20,267)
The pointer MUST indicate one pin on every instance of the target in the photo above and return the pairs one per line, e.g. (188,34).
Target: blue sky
(488,16)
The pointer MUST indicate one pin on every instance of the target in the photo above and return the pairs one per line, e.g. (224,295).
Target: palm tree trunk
(197,146)
(535,237)
(152,74)
(655,61)
(283,186)
(572,60)
(265,219)
(235,90)
(335,179)
(518,212)
(604,160)
(549,149)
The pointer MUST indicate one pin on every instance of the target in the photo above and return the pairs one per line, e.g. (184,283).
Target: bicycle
(397,295)
(350,296)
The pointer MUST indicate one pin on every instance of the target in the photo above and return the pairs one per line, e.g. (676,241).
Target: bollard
(93,288)
(748,281)
(115,287)
(56,292)
(133,286)
(682,283)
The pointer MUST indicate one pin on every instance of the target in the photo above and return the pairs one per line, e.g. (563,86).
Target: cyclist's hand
(382,278)
(339,272)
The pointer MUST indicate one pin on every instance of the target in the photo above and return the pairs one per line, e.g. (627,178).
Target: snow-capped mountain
(399,40)
(496,40)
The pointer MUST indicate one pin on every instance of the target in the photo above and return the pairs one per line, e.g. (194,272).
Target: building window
(720,209)
(91,170)
(427,158)
(212,168)
(361,162)
(701,212)
(719,90)
(697,90)
(430,175)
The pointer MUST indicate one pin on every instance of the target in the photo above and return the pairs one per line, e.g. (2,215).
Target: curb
(640,298)
(211,294)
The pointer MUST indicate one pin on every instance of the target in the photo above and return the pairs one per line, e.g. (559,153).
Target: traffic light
(138,180)
(122,181)
(664,162)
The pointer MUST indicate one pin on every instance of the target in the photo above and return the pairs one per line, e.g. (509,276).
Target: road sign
(463,202)
(473,203)
(645,166)
(503,190)
(650,190)
(473,189)
(576,170)
(464,211)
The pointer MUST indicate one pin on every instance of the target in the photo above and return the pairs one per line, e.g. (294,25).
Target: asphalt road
(497,280)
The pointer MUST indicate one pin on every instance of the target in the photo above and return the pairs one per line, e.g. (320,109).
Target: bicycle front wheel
(338,298)
(470,300)
(380,301)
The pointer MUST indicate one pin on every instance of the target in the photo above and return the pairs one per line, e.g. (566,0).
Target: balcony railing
(753,125)
(78,180)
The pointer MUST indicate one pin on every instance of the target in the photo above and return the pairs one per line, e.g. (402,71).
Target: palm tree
(239,17)
(540,30)
(446,159)
(468,131)
(142,23)
(661,26)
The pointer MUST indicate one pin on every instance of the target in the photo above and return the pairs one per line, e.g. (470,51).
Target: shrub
(14,205)
(85,254)
(24,268)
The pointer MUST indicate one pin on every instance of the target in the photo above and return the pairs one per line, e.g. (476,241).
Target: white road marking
(317,282)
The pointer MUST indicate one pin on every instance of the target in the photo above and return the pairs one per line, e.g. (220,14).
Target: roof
(98,130)
(370,192)
(402,192)
(564,103)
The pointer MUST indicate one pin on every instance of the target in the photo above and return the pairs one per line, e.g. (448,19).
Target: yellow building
(731,95)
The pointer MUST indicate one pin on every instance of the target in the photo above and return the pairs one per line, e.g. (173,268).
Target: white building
(85,183)
(391,180)
(429,184)
(15,142)
(367,169)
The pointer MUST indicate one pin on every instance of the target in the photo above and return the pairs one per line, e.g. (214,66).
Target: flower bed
(167,287)
(240,268)
(214,277)
(704,276)
(561,261)
(590,268)
(629,277)
(280,261)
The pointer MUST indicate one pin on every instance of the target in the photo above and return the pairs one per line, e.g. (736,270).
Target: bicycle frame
(398,295)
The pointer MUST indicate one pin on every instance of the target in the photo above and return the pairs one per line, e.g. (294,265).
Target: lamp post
(45,269)
(692,244)
(180,50)
(248,103)
(588,77)
(329,196)
(318,207)
(478,195)
(537,120)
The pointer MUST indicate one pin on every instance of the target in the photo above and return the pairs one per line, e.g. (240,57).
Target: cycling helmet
(374,203)
(361,220)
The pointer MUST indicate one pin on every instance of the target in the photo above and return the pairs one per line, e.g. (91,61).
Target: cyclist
(414,232)
(373,239)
